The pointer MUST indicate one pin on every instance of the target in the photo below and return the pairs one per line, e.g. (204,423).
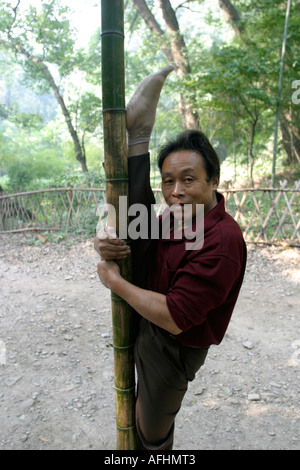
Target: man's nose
(178,189)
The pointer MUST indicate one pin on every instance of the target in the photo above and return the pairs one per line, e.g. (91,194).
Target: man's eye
(188,180)
(168,181)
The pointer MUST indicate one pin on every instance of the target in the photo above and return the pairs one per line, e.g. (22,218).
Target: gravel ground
(56,358)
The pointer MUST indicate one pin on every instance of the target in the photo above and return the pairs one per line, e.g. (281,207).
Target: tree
(259,17)
(42,42)
(232,16)
(172,44)
(238,92)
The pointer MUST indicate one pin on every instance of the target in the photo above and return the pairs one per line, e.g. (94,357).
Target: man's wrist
(114,282)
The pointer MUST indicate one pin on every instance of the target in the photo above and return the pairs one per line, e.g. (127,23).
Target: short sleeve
(201,286)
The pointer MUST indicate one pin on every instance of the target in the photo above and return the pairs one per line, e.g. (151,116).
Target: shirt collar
(216,214)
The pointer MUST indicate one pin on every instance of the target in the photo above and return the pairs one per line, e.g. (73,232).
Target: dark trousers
(164,368)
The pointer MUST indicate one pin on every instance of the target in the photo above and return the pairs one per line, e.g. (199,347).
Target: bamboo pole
(115,148)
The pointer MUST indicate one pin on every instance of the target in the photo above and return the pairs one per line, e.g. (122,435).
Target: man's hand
(109,246)
(108,271)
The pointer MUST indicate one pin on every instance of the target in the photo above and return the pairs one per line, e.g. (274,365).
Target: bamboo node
(118,299)
(108,180)
(126,429)
(124,347)
(114,110)
(125,389)
(115,33)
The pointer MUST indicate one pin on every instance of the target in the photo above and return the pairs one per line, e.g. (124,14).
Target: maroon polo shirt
(202,286)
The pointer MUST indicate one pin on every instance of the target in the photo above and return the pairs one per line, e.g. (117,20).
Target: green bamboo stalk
(116,169)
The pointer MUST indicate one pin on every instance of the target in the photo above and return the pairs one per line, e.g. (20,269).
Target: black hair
(195,141)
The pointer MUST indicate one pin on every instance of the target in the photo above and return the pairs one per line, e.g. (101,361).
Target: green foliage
(20,174)
(90,109)
(29,155)
(90,61)
(29,172)
(46,32)
(43,41)
(233,86)
(27,120)
(78,180)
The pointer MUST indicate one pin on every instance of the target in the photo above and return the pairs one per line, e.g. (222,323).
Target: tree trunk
(116,169)
(176,54)
(154,26)
(250,151)
(48,76)
(290,135)
(232,16)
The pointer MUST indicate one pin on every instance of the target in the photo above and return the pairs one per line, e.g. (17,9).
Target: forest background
(227,65)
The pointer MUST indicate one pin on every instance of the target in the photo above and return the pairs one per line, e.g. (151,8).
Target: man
(190,294)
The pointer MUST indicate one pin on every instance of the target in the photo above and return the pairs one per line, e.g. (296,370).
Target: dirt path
(56,359)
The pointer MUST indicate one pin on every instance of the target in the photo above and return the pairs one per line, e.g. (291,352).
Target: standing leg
(164,368)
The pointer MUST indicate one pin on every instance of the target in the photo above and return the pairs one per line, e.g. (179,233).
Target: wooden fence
(265,215)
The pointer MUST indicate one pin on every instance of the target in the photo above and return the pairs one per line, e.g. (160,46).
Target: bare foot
(141,109)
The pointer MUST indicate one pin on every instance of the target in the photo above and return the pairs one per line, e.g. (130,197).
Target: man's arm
(150,305)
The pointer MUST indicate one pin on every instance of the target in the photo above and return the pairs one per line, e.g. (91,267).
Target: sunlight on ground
(289,258)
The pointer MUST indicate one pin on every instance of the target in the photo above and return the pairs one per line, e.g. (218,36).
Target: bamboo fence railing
(265,215)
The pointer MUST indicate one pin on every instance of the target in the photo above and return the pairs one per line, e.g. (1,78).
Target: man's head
(190,171)
(194,141)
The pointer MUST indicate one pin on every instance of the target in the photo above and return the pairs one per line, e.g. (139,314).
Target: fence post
(70,198)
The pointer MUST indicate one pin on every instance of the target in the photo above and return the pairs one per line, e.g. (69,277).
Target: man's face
(184,181)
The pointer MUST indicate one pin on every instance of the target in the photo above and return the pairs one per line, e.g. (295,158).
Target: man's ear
(215,183)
